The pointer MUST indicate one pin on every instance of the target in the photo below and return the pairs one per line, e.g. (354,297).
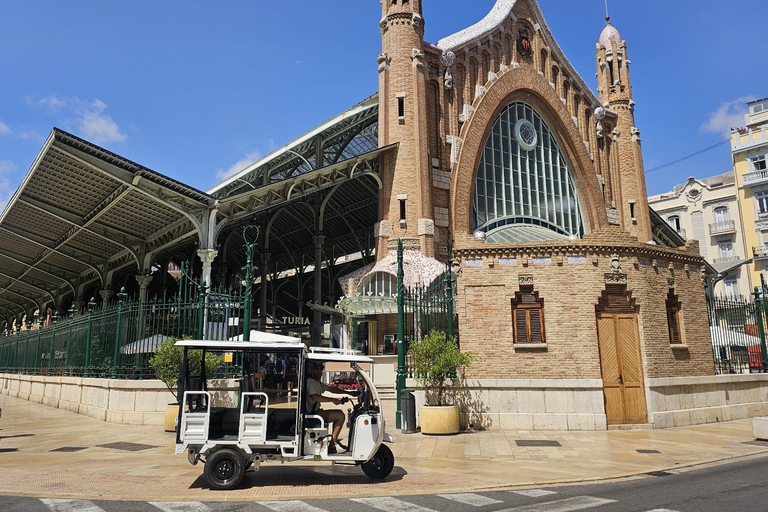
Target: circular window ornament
(525,133)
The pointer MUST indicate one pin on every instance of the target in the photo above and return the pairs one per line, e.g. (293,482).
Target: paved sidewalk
(47,452)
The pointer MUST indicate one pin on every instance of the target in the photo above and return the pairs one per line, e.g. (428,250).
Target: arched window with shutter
(528,316)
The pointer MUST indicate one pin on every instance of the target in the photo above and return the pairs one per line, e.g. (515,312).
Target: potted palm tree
(167,361)
(436,361)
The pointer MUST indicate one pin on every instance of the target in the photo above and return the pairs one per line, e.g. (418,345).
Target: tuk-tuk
(233,428)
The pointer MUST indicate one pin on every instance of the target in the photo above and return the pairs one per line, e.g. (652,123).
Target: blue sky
(196,89)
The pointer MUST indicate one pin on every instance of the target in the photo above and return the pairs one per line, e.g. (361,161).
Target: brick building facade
(577,318)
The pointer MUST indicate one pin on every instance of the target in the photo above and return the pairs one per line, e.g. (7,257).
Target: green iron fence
(738,326)
(116,341)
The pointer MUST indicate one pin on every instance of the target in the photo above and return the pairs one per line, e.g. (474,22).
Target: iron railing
(117,341)
(737,326)
(760,252)
(725,226)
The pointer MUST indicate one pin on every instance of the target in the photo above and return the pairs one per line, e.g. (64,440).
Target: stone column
(106,295)
(206,257)
(317,321)
(143,284)
(19,322)
(79,304)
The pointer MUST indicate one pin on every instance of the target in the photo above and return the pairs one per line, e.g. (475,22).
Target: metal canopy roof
(83,213)
(80,214)
(351,133)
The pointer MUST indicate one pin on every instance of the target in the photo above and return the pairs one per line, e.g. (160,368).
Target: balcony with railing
(749,139)
(755,178)
(726,259)
(760,253)
(722,228)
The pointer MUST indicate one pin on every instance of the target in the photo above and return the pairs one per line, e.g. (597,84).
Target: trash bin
(407,412)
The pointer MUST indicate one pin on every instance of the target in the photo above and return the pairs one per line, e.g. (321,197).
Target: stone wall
(684,401)
(132,402)
(527,404)
(577,404)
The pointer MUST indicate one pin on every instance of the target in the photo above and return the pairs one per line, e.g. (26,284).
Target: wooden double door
(622,368)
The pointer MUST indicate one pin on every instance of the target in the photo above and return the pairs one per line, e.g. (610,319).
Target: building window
(721,214)
(674,221)
(731,287)
(726,250)
(762,202)
(528,316)
(673,317)
(524,190)
(758,163)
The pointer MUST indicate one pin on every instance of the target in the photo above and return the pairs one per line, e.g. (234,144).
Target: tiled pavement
(47,452)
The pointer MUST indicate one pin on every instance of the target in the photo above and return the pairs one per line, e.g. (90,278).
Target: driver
(315,390)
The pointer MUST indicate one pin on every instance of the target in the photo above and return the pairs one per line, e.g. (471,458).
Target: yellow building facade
(749,147)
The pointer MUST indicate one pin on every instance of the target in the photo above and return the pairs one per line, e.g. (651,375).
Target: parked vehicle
(232,430)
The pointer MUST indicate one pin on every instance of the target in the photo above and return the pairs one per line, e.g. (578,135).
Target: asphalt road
(736,486)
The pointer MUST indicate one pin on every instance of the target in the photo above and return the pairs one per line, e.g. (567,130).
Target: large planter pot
(171,413)
(439,420)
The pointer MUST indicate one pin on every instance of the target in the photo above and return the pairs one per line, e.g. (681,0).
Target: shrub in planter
(168,358)
(436,360)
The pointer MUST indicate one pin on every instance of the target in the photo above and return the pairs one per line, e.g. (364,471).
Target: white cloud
(90,119)
(730,114)
(299,62)
(4,129)
(238,166)
(52,102)
(6,189)
(100,128)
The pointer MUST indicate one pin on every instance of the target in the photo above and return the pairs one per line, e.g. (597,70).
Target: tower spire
(607,16)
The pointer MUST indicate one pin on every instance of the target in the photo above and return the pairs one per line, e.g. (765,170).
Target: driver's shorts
(325,415)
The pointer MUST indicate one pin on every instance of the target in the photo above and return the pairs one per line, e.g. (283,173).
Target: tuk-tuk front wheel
(224,469)
(380,466)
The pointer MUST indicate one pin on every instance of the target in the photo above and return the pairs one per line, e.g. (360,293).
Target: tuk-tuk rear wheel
(224,469)
(381,465)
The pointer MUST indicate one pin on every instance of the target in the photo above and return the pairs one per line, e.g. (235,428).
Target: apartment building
(707,210)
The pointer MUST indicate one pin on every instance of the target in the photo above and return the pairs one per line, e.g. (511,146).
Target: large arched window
(524,189)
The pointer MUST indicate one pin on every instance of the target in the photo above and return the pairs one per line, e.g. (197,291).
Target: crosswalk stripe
(289,506)
(71,506)
(391,505)
(180,506)
(474,500)
(534,493)
(566,505)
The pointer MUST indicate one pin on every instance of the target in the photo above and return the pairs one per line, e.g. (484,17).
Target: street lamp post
(53,341)
(69,336)
(120,300)
(400,333)
(91,307)
(251,238)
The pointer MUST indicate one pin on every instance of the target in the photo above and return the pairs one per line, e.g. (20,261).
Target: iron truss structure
(85,219)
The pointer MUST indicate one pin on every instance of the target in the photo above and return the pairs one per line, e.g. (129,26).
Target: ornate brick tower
(405,204)
(615,93)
